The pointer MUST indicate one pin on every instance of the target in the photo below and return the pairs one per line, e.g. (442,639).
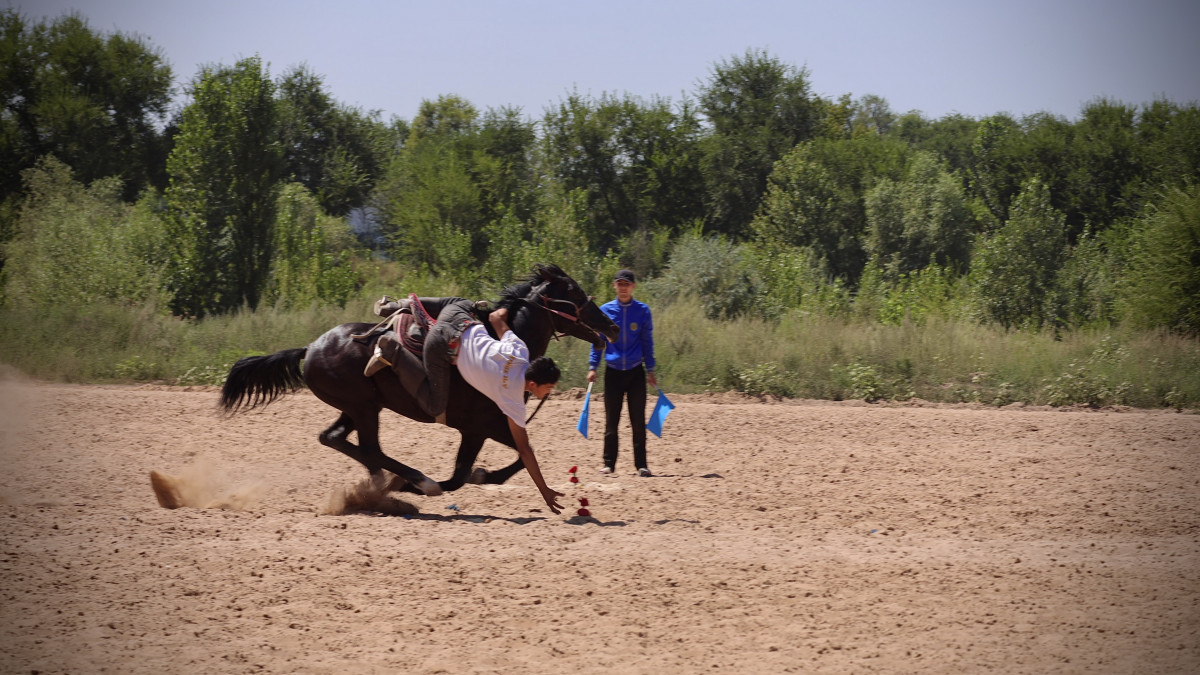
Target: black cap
(625,275)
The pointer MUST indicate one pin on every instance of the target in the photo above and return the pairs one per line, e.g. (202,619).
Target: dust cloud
(370,495)
(201,485)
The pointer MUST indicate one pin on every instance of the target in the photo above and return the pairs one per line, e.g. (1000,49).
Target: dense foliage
(753,197)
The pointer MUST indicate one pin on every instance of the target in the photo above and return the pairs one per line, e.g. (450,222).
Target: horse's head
(571,311)
(574,312)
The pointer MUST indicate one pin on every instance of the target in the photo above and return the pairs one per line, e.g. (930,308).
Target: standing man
(629,365)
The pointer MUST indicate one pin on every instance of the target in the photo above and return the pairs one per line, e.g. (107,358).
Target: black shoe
(644,472)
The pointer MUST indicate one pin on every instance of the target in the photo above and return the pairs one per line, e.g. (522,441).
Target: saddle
(407,317)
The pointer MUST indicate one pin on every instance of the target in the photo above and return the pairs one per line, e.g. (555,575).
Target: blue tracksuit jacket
(635,345)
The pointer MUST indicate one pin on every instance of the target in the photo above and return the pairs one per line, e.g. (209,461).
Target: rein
(535,410)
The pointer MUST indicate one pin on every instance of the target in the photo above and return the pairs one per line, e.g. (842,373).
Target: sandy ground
(776,537)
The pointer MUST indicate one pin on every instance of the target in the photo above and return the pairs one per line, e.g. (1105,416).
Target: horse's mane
(517,292)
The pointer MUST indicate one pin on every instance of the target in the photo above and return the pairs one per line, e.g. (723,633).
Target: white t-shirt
(496,368)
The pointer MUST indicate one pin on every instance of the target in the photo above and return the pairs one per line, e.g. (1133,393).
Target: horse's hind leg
(369,454)
(336,436)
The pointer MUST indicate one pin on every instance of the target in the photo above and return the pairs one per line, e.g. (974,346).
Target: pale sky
(935,56)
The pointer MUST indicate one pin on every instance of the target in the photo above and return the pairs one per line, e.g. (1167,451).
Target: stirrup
(377,363)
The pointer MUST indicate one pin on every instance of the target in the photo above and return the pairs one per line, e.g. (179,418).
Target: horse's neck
(535,336)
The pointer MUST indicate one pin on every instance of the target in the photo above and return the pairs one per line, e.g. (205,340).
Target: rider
(492,366)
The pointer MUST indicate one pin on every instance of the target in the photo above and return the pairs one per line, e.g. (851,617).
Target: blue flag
(583,416)
(661,409)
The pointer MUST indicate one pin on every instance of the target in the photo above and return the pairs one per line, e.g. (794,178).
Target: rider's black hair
(543,370)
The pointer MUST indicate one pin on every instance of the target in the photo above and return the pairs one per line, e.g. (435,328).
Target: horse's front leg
(498,476)
(464,461)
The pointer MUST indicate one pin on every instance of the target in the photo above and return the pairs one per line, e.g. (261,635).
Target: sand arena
(776,537)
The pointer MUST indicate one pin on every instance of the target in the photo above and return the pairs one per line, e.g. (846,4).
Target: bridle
(542,302)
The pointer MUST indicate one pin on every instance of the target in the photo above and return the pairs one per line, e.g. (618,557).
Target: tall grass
(825,357)
(113,343)
(946,360)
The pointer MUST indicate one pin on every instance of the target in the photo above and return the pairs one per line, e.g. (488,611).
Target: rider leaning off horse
(500,369)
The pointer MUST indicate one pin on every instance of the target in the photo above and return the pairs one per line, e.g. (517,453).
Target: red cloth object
(583,501)
(423,318)
(584,512)
(574,479)
(573,469)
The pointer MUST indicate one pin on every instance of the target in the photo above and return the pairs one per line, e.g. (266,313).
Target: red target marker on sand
(583,502)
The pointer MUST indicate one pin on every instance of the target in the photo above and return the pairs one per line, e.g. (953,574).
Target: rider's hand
(551,497)
(499,320)
(591,376)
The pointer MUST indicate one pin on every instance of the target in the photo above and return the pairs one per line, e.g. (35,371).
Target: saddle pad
(412,334)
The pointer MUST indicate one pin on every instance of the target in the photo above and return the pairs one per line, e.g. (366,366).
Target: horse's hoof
(430,487)
(478,476)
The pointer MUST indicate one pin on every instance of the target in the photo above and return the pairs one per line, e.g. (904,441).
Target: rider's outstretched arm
(525,451)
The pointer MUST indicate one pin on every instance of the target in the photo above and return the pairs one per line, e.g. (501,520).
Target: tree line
(752,193)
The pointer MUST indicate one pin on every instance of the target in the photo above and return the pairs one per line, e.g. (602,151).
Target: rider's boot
(407,367)
(385,354)
(387,306)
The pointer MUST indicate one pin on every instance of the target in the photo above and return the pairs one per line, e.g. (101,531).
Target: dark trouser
(429,382)
(619,385)
(455,317)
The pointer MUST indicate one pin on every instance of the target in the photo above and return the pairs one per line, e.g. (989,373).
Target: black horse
(545,305)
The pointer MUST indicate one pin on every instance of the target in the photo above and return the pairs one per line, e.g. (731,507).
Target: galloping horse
(547,304)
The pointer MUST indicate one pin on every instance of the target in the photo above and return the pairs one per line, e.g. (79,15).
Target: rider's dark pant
(441,349)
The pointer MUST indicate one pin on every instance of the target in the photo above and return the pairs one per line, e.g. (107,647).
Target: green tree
(311,256)
(581,152)
(96,102)
(996,174)
(715,271)
(1162,283)
(503,164)
(515,246)
(1097,168)
(1045,146)
(758,109)
(1168,139)
(1105,148)
(337,152)
(432,206)
(1013,270)
(93,101)
(83,244)
(1085,286)
(872,115)
(949,138)
(221,200)
(429,199)
(919,219)
(636,161)
(815,199)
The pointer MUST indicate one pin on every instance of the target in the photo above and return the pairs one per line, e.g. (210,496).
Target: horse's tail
(258,380)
